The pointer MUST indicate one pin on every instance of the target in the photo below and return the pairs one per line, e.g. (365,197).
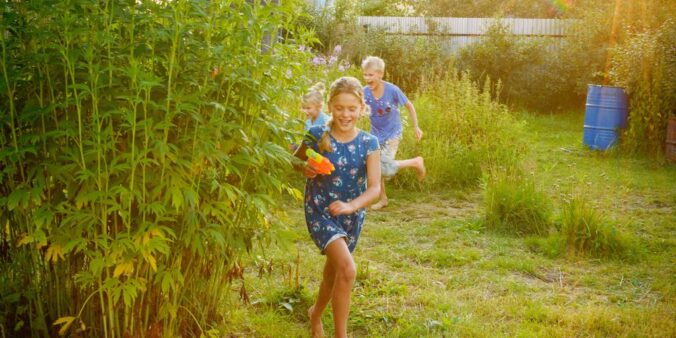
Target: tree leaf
(27,239)
(124,268)
(66,321)
(176,198)
(16,198)
(54,253)
(151,260)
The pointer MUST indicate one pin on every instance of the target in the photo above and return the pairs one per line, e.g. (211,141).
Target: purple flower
(301,48)
(318,60)
(332,60)
(337,49)
(341,68)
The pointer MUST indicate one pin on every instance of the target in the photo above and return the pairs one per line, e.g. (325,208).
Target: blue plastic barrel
(606,112)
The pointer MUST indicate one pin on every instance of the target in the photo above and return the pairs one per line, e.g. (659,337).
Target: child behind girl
(311,104)
(335,203)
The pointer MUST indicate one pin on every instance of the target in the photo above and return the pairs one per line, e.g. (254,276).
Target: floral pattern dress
(346,183)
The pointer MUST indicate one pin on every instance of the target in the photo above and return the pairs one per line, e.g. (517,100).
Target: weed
(514,205)
(467,134)
(588,233)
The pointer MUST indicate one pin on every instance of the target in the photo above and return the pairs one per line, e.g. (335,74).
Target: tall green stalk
(12,109)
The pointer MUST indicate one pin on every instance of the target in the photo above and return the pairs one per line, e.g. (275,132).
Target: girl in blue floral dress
(335,203)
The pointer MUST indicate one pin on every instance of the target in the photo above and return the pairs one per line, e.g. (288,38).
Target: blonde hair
(343,85)
(314,95)
(374,63)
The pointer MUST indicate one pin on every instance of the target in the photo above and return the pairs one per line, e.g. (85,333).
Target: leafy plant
(545,74)
(645,66)
(140,159)
(467,134)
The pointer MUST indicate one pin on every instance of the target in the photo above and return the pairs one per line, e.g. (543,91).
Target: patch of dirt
(434,206)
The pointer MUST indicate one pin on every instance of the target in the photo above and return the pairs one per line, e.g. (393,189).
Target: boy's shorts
(388,150)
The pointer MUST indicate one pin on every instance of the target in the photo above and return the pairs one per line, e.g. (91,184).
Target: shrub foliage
(139,159)
(646,67)
(467,133)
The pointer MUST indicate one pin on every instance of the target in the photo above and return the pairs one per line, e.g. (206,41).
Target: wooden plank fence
(459,32)
(463,26)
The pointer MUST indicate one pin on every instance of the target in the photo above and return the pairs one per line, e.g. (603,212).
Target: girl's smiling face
(346,109)
(311,110)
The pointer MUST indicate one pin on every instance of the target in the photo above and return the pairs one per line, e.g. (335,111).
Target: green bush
(409,61)
(140,158)
(513,205)
(645,65)
(588,233)
(544,74)
(402,54)
(488,8)
(466,134)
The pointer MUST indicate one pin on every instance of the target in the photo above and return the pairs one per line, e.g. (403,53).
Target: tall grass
(514,205)
(588,233)
(140,159)
(467,134)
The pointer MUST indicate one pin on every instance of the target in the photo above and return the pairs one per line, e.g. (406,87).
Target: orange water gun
(319,163)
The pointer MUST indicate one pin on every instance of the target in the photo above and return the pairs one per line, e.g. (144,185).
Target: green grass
(514,205)
(428,267)
(588,233)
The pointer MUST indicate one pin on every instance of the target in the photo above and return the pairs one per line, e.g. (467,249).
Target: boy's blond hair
(373,63)
(314,95)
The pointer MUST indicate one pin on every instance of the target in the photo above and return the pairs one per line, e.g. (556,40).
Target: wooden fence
(459,32)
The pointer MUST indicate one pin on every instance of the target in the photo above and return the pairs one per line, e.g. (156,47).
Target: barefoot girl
(335,203)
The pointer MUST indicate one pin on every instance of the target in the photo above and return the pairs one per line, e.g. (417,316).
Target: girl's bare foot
(315,323)
(420,168)
(379,205)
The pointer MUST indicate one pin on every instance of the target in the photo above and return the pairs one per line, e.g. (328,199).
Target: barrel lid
(604,86)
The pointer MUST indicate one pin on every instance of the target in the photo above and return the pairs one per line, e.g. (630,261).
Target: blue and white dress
(346,183)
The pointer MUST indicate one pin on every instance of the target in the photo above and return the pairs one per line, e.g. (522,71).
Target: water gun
(319,163)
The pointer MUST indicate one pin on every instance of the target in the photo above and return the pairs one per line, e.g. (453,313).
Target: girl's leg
(417,163)
(341,259)
(325,292)
(382,200)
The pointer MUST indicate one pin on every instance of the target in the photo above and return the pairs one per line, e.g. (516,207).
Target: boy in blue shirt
(384,99)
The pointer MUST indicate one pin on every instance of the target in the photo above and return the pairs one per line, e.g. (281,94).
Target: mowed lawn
(428,268)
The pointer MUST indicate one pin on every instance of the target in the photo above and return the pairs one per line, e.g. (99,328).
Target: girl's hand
(341,208)
(309,172)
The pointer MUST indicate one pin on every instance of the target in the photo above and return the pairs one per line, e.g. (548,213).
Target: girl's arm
(414,119)
(308,171)
(371,193)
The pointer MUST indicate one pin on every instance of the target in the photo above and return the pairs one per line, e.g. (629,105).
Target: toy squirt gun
(319,163)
